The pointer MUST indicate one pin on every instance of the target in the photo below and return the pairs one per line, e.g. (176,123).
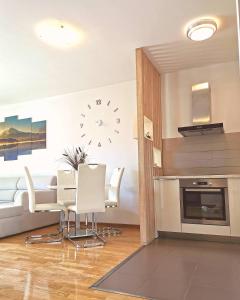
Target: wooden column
(148,105)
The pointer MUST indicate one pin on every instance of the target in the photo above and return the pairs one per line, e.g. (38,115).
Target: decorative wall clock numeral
(93,119)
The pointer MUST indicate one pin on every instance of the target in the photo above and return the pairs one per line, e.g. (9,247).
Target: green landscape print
(21,136)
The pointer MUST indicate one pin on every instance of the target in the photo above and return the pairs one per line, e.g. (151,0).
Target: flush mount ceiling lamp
(201,30)
(58,33)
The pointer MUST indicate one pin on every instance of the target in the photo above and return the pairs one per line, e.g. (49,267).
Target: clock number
(99,144)
(81,125)
(116,109)
(98,102)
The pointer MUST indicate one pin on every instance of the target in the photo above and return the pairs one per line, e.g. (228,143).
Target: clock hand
(99,122)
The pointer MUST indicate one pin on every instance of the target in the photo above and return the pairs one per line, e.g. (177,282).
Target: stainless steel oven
(204,201)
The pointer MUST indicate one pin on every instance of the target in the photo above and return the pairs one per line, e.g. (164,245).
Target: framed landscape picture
(21,136)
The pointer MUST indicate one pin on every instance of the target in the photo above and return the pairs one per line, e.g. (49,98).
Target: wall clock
(100,123)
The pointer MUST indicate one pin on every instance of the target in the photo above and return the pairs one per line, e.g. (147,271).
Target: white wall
(225,94)
(63,115)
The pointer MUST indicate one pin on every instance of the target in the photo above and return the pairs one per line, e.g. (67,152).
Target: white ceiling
(30,69)
(187,54)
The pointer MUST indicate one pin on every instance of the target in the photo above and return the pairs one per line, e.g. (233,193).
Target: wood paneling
(149,105)
(201,155)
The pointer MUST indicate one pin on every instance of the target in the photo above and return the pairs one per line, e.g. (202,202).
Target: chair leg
(86,221)
(62,221)
(75,228)
(47,238)
(110,231)
(95,229)
(95,222)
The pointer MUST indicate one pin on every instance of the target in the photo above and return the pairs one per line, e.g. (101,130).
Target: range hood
(201,113)
(201,129)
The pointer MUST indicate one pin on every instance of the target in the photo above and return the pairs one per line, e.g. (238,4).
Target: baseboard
(26,231)
(198,237)
(103,224)
(133,226)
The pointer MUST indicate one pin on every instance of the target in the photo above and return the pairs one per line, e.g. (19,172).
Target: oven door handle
(203,190)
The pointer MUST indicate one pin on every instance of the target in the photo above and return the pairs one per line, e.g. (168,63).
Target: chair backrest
(114,186)
(30,189)
(90,188)
(65,178)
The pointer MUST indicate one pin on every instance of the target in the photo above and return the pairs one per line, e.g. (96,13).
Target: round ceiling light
(58,33)
(201,30)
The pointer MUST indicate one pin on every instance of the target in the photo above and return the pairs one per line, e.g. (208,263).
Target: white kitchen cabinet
(167,205)
(234,205)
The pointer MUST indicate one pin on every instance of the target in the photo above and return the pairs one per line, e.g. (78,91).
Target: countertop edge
(196,176)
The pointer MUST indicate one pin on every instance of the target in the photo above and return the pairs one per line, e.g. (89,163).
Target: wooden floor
(60,271)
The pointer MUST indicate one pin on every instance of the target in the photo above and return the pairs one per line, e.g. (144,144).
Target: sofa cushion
(48,196)
(8,183)
(10,210)
(7,195)
(39,182)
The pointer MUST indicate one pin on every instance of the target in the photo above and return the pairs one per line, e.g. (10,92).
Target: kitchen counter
(197,176)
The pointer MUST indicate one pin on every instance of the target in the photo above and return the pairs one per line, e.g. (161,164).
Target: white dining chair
(113,197)
(43,207)
(66,187)
(90,199)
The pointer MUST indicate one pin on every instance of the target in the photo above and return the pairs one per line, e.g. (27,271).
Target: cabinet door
(234,205)
(167,205)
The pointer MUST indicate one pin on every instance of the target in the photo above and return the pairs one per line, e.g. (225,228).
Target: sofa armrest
(47,196)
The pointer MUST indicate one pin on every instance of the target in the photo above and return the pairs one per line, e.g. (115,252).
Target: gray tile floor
(171,269)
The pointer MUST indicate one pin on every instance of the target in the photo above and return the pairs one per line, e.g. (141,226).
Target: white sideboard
(168,210)
(167,205)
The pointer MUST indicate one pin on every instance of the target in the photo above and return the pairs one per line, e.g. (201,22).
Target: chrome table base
(80,233)
(94,239)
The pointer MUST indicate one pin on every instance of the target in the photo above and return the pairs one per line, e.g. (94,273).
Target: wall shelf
(148,129)
(157,158)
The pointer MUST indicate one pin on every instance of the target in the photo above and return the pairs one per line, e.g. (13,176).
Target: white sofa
(14,213)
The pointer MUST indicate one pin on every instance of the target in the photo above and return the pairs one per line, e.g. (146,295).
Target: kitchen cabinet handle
(203,190)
